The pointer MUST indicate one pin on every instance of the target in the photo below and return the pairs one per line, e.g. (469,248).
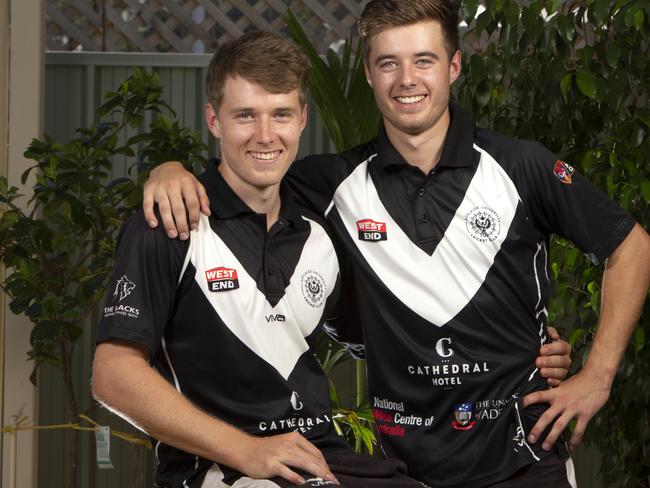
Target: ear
(212,120)
(366,68)
(455,67)
(303,124)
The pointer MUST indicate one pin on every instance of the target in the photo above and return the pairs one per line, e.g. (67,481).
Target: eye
(283,115)
(244,115)
(387,64)
(424,61)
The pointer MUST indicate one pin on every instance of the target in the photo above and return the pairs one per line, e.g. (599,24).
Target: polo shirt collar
(226,204)
(457,152)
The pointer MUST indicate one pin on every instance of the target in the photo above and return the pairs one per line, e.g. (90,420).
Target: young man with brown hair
(235,396)
(447,228)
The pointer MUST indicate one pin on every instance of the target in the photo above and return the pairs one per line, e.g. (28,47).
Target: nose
(265,133)
(407,75)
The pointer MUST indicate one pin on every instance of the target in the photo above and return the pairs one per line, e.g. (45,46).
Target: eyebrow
(251,109)
(421,54)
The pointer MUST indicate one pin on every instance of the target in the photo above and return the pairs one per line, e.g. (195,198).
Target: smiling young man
(205,344)
(447,229)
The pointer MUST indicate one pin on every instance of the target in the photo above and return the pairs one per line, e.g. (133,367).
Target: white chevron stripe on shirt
(439,286)
(244,310)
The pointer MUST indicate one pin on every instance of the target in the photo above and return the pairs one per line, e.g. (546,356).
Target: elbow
(101,384)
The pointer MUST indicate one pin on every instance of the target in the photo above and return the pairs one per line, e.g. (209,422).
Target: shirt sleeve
(314,179)
(344,325)
(141,289)
(561,201)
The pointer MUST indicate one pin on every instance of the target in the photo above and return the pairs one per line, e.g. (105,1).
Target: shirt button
(420,192)
(424,219)
(433,171)
(269,272)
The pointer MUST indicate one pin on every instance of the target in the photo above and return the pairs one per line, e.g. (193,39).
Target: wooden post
(21,75)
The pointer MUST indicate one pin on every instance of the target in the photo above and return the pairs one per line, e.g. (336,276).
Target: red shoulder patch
(563,171)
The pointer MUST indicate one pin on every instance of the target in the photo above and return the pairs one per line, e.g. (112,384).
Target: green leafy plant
(58,248)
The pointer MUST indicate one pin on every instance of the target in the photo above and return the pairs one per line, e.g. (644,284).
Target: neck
(423,149)
(260,200)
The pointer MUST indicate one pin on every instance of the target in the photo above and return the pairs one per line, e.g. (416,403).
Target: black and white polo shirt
(452,284)
(228,318)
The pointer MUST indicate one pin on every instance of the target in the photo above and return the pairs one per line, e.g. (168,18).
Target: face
(411,74)
(259,133)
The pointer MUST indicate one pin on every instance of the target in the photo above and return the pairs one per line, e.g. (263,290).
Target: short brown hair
(379,15)
(260,57)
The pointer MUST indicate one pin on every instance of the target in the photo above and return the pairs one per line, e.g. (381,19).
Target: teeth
(415,99)
(267,156)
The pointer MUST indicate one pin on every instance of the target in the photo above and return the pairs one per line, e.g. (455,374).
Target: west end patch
(371,230)
(222,279)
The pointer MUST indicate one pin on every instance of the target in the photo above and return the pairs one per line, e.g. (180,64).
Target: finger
(205,201)
(311,465)
(558,427)
(307,446)
(553,373)
(312,450)
(555,361)
(192,205)
(578,433)
(180,215)
(553,333)
(556,348)
(147,206)
(544,420)
(291,476)
(544,396)
(553,382)
(304,457)
(165,209)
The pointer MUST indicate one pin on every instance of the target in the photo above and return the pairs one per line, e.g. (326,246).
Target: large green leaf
(339,89)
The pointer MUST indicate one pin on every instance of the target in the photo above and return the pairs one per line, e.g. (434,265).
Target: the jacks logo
(563,171)
(370,230)
(123,288)
(222,279)
(313,288)
(463,416)
(483,224)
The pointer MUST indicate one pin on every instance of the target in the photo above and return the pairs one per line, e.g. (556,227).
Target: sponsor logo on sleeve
(483,224)
(463,416)
(222,279)
(563,171)
(371,231)
(123,288)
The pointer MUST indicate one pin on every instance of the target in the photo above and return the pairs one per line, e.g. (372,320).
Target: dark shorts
(352,471)
(551,472)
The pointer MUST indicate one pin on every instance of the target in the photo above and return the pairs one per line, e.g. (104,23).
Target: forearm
(134,390)
(624,290)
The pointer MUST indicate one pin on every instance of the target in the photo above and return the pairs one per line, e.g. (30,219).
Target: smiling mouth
(264,156)
(410,100)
